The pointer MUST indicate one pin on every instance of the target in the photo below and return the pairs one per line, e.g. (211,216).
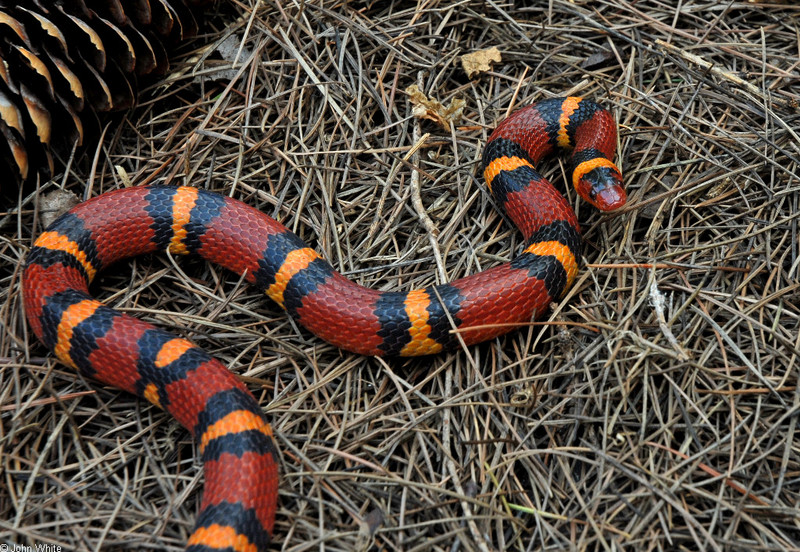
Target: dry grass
(657,406)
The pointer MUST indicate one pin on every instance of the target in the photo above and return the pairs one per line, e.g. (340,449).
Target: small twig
(714,473)
(715,70)
(657,301)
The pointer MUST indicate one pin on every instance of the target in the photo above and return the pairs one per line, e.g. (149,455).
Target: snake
(234,440)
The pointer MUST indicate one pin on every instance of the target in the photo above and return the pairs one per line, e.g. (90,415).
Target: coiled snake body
(235,441)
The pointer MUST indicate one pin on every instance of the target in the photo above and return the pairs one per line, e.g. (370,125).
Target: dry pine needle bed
(654,408)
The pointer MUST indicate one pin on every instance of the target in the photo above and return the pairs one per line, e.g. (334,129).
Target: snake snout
(603,188)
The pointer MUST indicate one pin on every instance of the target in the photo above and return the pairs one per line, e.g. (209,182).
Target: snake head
(599,182)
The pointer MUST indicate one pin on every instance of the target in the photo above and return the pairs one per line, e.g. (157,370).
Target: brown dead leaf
(54,204)
(480,61)
(426,108)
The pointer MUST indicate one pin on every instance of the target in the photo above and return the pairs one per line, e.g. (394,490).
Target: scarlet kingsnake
(235,441)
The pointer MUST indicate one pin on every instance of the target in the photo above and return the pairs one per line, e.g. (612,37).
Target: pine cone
(65,60)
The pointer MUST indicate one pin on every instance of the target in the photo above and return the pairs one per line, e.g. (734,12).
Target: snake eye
(602,187)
